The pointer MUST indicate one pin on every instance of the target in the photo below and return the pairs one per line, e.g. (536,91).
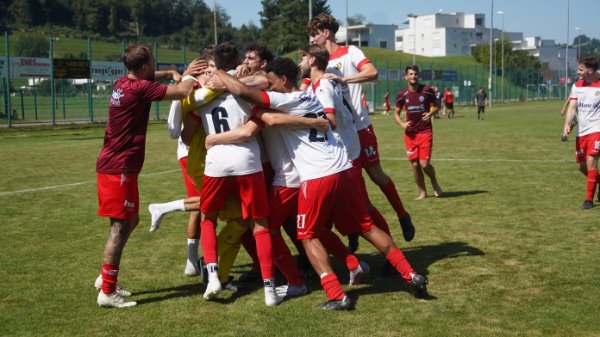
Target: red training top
(448,97)
(415,104)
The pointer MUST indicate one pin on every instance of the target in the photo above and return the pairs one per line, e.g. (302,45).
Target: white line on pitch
(75,184)
(491,160)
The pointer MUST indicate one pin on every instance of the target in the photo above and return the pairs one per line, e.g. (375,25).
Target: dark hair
(411,67)
(321,22)
(319,53)
(589,62)
(283,66)
(136,55)
(226,56)
(207,52)
(263,52)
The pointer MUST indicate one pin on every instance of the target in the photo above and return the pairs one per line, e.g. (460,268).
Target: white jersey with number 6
(225,113)
(315,154)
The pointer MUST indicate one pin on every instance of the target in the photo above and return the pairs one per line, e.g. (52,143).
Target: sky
(544,18)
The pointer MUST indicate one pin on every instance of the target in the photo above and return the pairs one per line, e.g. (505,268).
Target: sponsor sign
(107,71)
(69,68)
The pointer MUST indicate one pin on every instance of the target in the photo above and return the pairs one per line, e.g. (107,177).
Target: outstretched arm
(275,118)
(237,88)
(237,135)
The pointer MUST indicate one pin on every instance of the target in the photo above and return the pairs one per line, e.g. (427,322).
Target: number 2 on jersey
(313,135)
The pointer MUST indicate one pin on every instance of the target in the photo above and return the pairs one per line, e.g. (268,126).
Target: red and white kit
(587,98)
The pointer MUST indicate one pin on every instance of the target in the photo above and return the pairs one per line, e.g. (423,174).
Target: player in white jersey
(585,100)
(327,181)
(231,169)
(349,66)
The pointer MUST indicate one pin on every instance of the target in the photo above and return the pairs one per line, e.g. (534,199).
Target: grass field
(508,251)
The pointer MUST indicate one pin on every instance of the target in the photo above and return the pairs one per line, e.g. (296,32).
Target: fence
(51,90)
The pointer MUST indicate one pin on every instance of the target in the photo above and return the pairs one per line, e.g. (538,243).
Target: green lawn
(508,251)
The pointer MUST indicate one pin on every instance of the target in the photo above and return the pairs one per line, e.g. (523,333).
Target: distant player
(449,103)
(386,103)
(122,157)
(585,101)
(419,103)
(480,99)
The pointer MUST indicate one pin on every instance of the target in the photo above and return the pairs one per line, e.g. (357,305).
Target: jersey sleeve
(399,101)
(199,97)
(325,95)
(357,57)
(573,95)
(151,91)
(275,100)
(174,120)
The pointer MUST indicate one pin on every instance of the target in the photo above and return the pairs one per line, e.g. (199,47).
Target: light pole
(347,25)
(577,29)
(502,46)
(491,51)
(567,51)
(414,17)
(215,19)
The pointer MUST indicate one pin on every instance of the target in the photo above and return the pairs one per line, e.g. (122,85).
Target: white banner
(26,67)
(107,71)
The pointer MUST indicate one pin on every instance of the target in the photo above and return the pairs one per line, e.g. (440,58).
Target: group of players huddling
(255,158)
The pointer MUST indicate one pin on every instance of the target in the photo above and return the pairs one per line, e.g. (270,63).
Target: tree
(357,19)
(30,45)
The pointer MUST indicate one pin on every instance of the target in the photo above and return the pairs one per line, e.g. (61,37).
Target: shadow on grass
(421,258)
(454,194)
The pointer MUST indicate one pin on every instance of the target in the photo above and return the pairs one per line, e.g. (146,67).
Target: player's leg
(419,179)
(334,246)
(192,265)
(228,247)
(158,210)
(592,180)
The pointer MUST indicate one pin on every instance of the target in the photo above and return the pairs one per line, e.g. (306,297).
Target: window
(399,38)
(383,44)
(479,22)
(479,36)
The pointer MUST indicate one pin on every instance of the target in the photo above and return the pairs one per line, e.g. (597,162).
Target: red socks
(393,198)
(283,260)
(332,287)
(379,220)
(109,277)
(592,178)
(336,247)
(264,248)
(208,239)
(397,259)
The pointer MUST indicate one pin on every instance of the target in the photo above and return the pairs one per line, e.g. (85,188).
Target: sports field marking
(75,184)
(387,158)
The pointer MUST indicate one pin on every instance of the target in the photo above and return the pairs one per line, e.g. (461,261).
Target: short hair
(319,53)
(226,56)
(321,22)
(411,67)
(262,51)
(589,62)
(136,55)
(283,66)
(207,52)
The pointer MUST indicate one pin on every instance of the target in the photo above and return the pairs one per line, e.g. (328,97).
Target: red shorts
(283,202)
(369,153)
(588,145)
(190,185)
(249,188)
(118,195)
(332,199)
(418,145)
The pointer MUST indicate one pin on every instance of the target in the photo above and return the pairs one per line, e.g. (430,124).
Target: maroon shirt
(415,104)
(125,137)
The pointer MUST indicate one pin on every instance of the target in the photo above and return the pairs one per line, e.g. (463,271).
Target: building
(368,35)
(547,51)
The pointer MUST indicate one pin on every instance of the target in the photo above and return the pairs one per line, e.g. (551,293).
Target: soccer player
(449,103)
(585,101)
(327,181)
(419,104)
(386,103)
(256,60)
(480,99)
(122,156)
(232,169)
(349,66)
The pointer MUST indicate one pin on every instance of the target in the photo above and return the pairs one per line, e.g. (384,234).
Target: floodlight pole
(502,46)
(215,19)
(347,25)
(310,16)
(567,52)
(491,52)
(414,17)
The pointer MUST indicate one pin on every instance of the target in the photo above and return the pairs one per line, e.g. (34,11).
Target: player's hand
(567,129)
(176,76)
(242,70)
(333,77)
(405,125)
(208,142)
(215,83)
(426,116)
(195,68)
(321,124)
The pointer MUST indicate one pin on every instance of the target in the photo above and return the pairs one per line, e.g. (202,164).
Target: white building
(547,51)
(368,35)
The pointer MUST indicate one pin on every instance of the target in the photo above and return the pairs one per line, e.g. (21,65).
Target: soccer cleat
(156,217)
(250,276)
(271,297)
(343,304)
(120,291)
(193,270)
(290,290)
(588,204)
(418,286)
(114,300)
(357,276)
(214,285)
(230,285)
(408,229)
(353,242)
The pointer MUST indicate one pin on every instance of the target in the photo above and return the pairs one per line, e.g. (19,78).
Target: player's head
(587,67)
(207,55)
(257,57)
(138,59)
(480,88)
(314,56)
(411,74)
(322,28)
(226,56)
(282,74)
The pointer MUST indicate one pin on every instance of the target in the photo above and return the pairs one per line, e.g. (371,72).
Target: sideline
(76,184)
